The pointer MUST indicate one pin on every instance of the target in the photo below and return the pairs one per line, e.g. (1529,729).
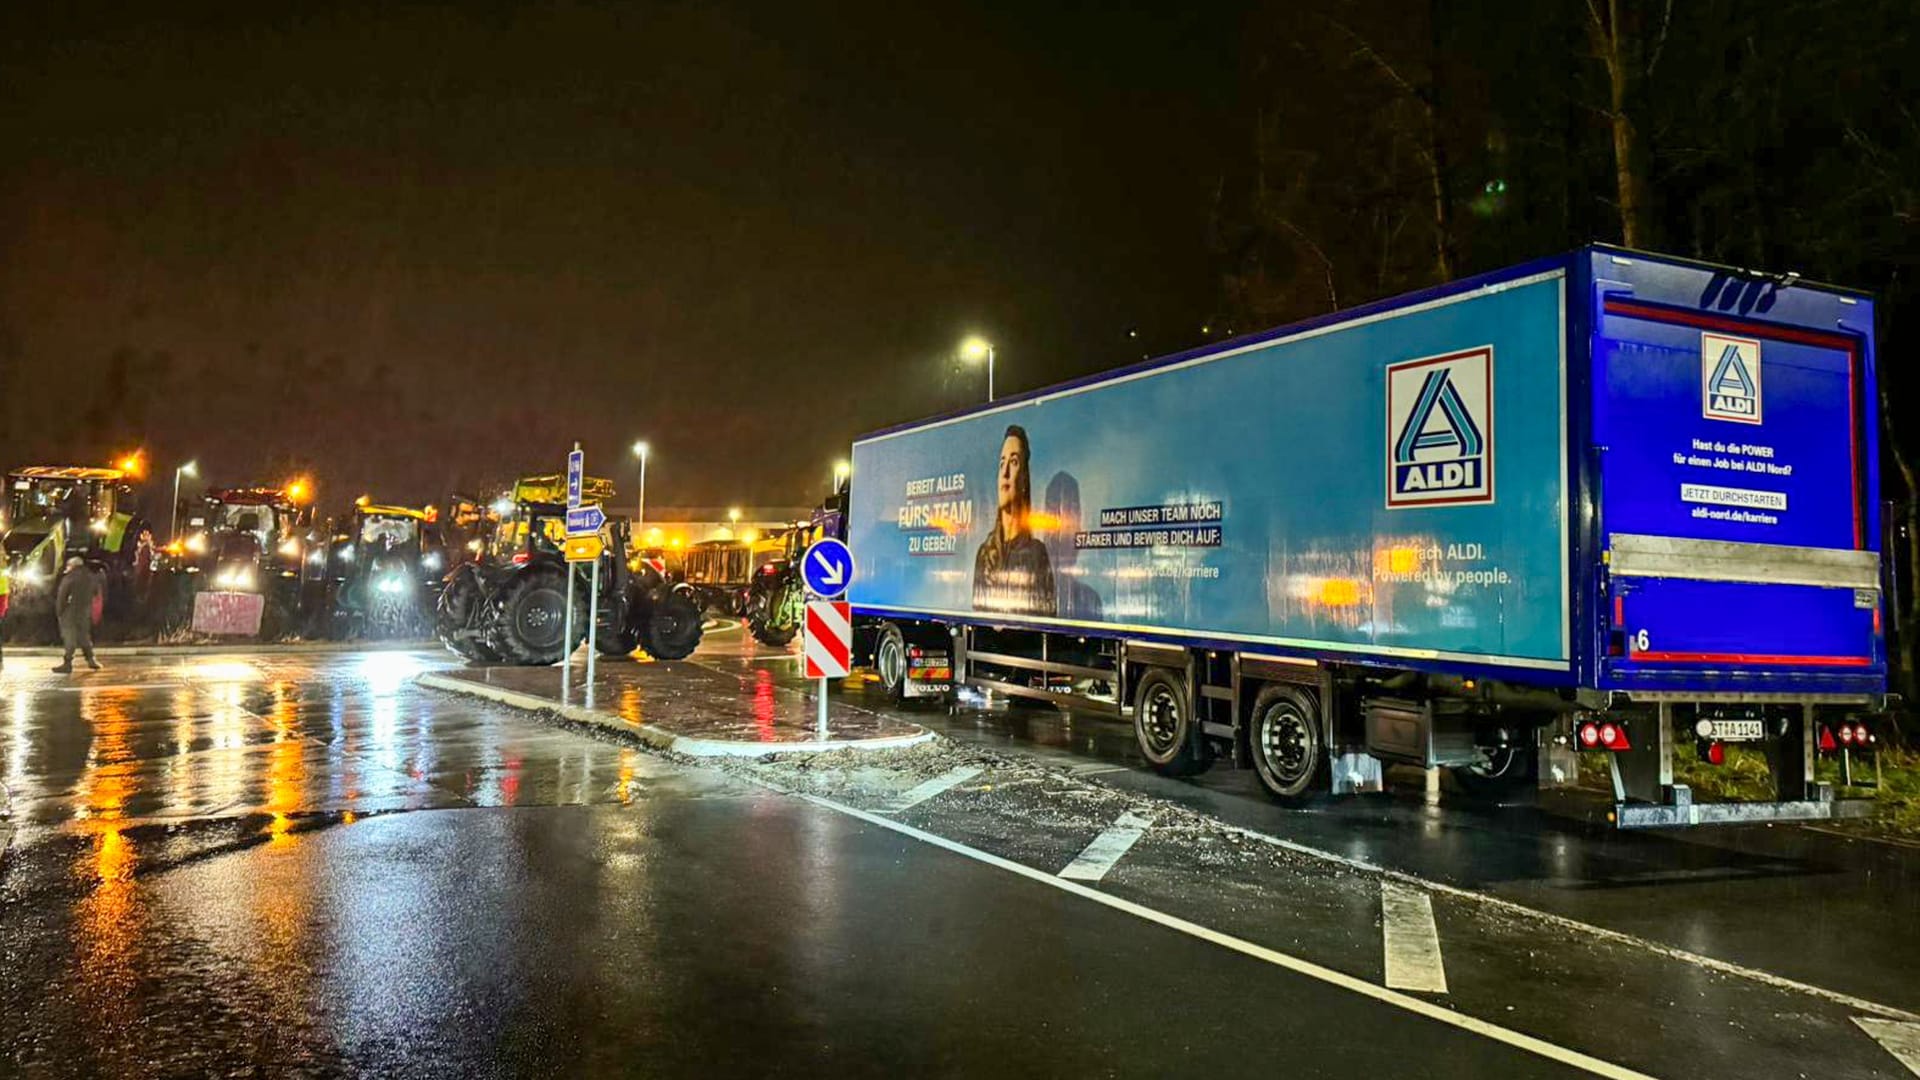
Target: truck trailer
(1608,502)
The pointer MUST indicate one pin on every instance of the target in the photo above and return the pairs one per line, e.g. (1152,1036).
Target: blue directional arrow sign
(585,520)
(576,471)
(827,567)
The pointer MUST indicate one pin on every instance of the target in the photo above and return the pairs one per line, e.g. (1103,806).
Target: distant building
(672,527)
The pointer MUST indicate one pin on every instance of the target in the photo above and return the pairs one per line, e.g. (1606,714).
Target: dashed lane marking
(1108,848)
(927,790)
(1307,968)
(1412,943)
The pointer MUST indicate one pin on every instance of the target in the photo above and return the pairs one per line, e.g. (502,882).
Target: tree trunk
(1606,34)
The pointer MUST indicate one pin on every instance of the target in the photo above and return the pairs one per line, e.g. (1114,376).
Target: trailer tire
(1163,725)
(890,662)
(1509,771)
(1285,741)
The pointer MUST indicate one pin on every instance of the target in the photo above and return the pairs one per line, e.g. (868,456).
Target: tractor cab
(387,565)
(243,538)
(53,511)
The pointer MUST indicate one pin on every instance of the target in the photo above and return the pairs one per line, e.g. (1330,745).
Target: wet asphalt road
(280,865)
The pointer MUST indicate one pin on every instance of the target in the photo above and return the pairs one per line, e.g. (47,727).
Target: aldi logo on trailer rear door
(1730,378)
(1440,430)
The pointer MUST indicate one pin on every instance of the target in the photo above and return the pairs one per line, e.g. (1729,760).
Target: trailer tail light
(913,652)
(521,557)
(1602,735)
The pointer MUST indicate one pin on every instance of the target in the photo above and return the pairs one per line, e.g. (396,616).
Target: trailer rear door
(1735,471)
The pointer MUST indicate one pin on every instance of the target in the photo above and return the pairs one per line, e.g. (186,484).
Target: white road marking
(1575,926)
(1108,848)
(1417,1006)
(1902,1040)
(1412,942)
(927,790)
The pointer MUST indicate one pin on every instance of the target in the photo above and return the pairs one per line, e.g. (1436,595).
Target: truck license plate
(1736,730)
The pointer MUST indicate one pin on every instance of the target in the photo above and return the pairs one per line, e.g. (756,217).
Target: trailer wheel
(1284,740)
(1163,725)
(890,662)
(1506,772)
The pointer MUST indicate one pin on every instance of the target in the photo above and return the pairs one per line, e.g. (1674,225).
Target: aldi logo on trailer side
(1440,430)
(1730,378)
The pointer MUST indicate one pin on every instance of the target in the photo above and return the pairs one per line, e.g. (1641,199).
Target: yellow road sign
(583,548)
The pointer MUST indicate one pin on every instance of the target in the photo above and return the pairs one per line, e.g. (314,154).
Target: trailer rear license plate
(1735,730)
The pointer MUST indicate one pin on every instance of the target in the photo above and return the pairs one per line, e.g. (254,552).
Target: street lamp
(976,349)
(841,470)
(640,450)
(191,468)
(733,515)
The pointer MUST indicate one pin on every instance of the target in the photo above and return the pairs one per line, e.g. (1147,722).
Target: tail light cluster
(1595,734)
(1846,735)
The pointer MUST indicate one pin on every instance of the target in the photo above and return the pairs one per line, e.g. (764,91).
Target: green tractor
(776,600)
(56,511)
(509,603)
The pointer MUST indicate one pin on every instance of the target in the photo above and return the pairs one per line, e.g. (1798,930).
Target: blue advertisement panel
(1394,486)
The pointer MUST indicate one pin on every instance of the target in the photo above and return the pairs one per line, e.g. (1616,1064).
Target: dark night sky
(745,231)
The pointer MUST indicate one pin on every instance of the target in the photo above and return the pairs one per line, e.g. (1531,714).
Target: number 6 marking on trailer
(1640,641)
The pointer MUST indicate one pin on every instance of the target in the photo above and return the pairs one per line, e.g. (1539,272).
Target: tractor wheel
(454,618)
(534,618)
(617,641)
(761,613)
(673,627)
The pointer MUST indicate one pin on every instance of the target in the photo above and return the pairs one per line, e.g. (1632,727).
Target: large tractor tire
(533,619)
(456,614)
(763,613)
(673,627)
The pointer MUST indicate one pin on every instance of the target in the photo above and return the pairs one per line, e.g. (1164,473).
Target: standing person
(73,605)
(6,587)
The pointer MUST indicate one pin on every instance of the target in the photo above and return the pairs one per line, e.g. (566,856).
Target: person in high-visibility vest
(6,588)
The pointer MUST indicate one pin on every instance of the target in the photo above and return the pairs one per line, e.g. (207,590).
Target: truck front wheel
(1285,743)
(1163,725)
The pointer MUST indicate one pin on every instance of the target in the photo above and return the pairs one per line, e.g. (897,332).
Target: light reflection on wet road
(305,865)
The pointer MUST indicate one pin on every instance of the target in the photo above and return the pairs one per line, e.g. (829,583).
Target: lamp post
(640,450)
(841,470)
(173,524)
(977,349)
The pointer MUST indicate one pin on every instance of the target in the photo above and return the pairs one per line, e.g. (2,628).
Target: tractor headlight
(32,575)
(346,553)
(391,585)
(238,578)
(318,558)
(290,548)
(197,543)
(430,561)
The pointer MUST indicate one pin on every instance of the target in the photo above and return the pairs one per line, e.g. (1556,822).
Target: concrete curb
(293,648)
(659,738)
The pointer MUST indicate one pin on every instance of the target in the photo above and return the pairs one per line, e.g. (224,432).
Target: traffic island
(686,708)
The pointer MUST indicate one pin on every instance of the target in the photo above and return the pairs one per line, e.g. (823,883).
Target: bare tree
(1615,45)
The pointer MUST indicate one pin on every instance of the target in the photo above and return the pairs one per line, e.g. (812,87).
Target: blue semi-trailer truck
(1607,502)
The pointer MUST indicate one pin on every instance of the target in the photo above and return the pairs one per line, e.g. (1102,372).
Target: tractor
(55,511)
(776,599)
(386,569)
(509,603)
(245,565)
